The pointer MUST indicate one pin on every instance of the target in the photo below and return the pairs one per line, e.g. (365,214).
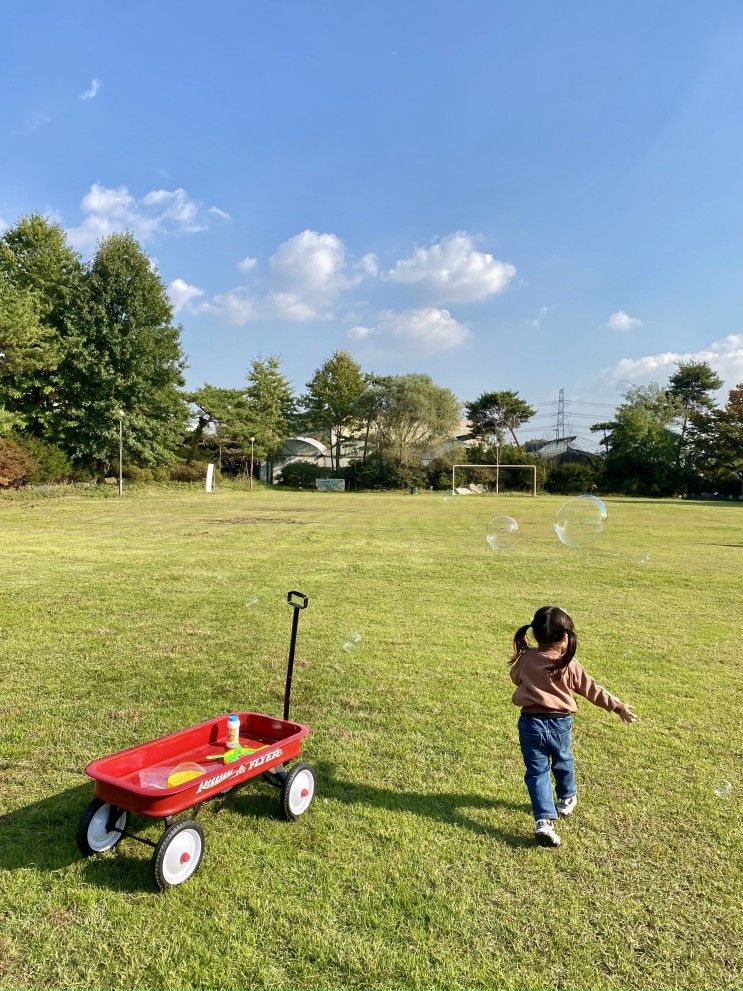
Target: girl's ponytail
(520,642)
(559,666)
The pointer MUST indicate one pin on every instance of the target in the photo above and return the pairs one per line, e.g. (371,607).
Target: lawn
(123,620)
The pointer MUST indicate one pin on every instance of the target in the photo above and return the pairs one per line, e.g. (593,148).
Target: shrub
(17,466)
(194,471)
(53,465)
(574,477)
(302,474)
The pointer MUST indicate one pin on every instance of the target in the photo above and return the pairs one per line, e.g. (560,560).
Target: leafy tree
(369,408)
(271,404)
(26,348)
(641,456)
(494,413)
(691,385)
(126,359)
(417,416)
(716,443)
(222,421)
(331,400)
(41,280)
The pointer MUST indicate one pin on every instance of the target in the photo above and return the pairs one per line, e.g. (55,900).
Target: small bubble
(251,601)
(724,789)
(352,641)
(644,559)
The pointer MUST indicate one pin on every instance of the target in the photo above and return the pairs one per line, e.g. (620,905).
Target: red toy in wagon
(165,777)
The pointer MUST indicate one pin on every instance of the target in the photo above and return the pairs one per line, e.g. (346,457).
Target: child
(547,675)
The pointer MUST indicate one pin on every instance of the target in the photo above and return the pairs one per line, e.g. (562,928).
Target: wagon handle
(298,601)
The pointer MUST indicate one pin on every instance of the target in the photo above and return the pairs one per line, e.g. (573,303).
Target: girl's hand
(627,714)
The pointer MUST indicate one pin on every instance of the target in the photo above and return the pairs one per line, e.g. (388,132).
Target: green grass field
(123,620)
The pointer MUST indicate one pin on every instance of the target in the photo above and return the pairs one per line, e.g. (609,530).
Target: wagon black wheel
(93,833)
(298,791)
(178,854)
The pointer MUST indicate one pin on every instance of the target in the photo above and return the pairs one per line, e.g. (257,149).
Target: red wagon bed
(121,778)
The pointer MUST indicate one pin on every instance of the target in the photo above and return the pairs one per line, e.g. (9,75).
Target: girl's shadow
(442,807)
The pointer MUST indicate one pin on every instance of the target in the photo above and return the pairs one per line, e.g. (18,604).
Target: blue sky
(503,195)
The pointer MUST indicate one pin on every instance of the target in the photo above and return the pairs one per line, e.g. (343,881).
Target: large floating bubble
(581,521)
(351,641)
(503,532)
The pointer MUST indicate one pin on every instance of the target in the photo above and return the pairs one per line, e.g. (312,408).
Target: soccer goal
(498,468)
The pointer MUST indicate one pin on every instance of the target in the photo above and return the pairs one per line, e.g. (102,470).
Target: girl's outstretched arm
(583,684)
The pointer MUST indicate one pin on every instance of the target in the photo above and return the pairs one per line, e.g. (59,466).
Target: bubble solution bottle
(233,732)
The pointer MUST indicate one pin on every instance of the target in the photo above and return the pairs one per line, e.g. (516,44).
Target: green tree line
(88,346)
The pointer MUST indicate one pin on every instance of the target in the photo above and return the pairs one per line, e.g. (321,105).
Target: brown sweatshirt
(537,692)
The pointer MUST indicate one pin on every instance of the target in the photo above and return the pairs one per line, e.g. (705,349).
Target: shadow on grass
(41,836)
(441,807)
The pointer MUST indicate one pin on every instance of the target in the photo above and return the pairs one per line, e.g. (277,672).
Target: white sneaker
(545,833)
(566,806)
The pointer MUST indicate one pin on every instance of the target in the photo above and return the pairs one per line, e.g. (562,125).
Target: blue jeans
(545,744)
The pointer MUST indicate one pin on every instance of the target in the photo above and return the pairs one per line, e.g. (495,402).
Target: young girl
(547,675)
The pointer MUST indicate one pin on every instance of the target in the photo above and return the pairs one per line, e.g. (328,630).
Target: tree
(716,443)
(606,427)
(41,282)
(271,404)
(691,385)
(417,416)
(126,359)
(641,456)
(369,407)
(331,400)
(219,411)
(492,413)
(27,347)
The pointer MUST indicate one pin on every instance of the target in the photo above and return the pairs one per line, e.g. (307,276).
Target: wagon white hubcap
(182,856)
(301,792)
(99,836)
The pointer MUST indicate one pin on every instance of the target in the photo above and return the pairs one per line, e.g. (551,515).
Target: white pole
(252,442)
(121,453)
(497,467)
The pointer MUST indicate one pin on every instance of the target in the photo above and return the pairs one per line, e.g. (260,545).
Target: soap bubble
(251,601)
(502,533)
(724,789)
(581,521)
(644,559)
(351,641)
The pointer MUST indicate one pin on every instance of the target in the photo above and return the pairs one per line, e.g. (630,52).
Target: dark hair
(550,624)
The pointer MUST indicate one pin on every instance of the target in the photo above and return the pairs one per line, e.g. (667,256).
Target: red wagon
(135,781)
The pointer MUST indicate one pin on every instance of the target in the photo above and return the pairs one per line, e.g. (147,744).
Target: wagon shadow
(441,807)
(41,836)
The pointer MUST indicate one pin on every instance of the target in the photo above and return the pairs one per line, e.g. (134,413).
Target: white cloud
(92,91)
(3,225)
(428,329)
(222,214)
(181,293)
(623,321)
(108,209)
(453,270)
(724,356)
(305,277)
(235,306)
